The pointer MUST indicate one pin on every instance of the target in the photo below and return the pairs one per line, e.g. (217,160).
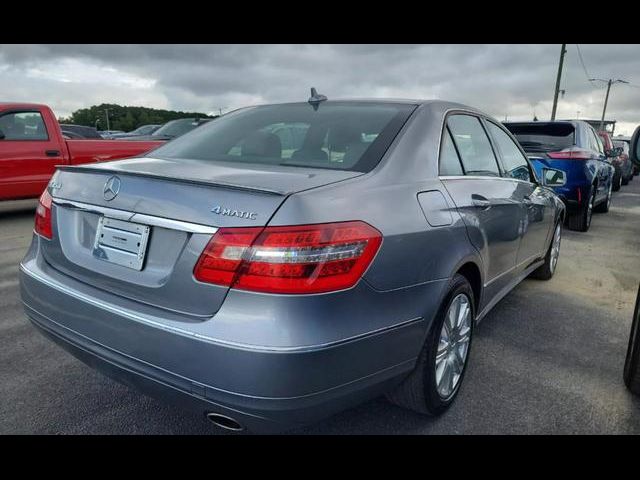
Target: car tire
(421,391)
(632,362)
(604,207)
(617,181)
(548,268)
(581,220)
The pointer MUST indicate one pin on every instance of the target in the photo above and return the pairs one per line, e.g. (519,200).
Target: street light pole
(606,98)
(106,111)
(563,50)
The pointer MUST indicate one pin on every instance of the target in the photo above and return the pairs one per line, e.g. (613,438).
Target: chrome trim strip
(138,217)
(485,177)
(136,317)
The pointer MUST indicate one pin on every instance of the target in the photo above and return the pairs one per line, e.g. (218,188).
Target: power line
(584,67)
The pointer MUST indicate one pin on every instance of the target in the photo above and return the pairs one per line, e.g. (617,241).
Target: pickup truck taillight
(43,216)
(294,259)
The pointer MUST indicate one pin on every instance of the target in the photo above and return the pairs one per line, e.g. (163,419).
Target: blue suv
(575,148)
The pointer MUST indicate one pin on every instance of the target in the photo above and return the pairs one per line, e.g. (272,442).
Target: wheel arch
(471,271)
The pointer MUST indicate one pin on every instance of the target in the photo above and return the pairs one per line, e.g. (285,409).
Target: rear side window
(514,162)
(543,137)
(473,145)
(338,135)
(449,160)
(23,126)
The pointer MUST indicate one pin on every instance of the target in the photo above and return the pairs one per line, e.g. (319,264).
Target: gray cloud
(503,80)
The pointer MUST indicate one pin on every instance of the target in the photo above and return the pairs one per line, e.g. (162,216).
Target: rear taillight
(43,216)
(294,259)
(570,155)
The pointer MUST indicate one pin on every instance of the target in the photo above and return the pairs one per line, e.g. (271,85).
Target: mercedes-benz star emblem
(111,188)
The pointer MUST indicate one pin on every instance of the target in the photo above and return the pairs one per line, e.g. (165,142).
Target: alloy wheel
(453,345)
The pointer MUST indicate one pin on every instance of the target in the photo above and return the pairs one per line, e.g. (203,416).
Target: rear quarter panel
(580,174)
(412,251)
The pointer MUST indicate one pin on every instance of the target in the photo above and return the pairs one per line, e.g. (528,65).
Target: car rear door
(487,202)
(29,153)
(535,200)
(605,169)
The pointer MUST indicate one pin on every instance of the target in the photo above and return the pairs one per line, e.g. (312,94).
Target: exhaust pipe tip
(224,422)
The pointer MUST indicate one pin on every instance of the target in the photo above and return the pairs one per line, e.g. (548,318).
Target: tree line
(124,117)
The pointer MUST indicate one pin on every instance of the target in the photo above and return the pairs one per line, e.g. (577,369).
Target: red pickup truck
(32,145)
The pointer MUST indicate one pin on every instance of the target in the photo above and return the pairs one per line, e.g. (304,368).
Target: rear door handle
(52,153)
(480,201)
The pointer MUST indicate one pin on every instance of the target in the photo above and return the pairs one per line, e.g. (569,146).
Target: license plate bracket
(121,242)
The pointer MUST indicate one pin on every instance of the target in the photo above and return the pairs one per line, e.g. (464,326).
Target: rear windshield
(340,136)
(543,137)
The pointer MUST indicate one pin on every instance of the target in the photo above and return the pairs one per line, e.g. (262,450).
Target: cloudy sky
(515,81)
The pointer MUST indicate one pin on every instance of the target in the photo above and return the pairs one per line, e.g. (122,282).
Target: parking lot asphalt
(547,359)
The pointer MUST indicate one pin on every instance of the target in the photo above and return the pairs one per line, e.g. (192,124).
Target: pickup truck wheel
(434,383)
(548,268)
(632,363)
(581,220)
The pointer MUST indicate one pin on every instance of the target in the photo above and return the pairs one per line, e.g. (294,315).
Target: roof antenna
(316,98)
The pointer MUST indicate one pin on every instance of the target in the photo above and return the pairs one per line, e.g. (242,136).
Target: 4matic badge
(229,212)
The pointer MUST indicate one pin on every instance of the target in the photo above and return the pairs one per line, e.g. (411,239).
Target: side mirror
(634,147)
(614,152)
(553,178)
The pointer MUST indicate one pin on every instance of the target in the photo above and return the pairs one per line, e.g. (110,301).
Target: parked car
(269,287)
(32,145)
(621,140)
(172,129)
(631,373)
(108,134)
(621,163)
(624,146)
(80,131)
(575,148)
(140,131)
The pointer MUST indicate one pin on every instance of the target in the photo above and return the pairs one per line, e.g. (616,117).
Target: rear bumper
(263,388)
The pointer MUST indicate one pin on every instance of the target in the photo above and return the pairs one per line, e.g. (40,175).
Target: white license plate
(120,242)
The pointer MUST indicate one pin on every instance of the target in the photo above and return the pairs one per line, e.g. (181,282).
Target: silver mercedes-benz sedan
(285,262)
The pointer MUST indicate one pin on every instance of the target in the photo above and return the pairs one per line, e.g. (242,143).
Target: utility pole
(563,50)
(106,111)
(610,82)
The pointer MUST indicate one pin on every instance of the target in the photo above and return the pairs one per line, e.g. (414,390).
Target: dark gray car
(288,261)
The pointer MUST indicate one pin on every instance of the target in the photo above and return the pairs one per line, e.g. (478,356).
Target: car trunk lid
(137,228)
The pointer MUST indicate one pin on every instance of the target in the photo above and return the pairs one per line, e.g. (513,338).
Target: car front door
(535,200)
(487,202)
(28,155)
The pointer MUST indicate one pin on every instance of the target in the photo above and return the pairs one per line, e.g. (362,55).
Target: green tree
(125,118)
